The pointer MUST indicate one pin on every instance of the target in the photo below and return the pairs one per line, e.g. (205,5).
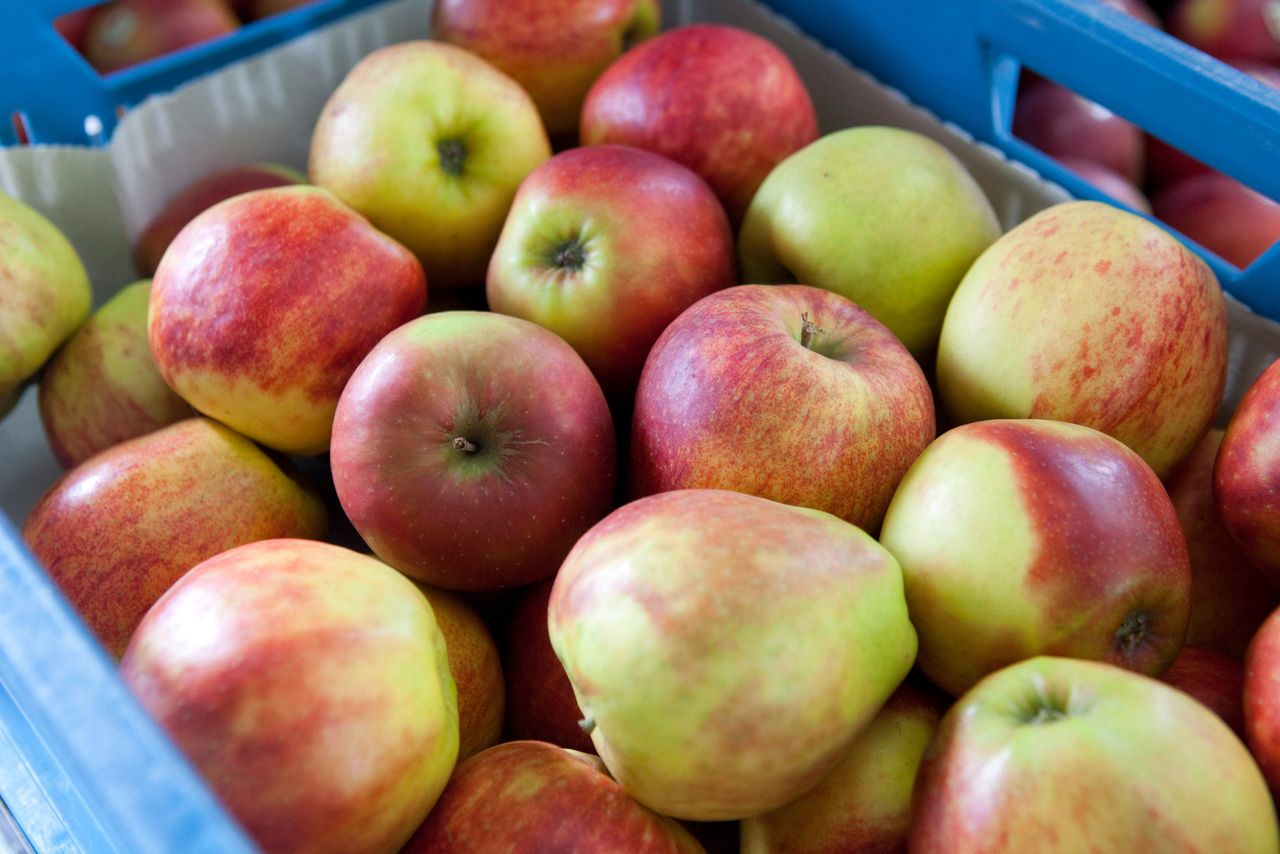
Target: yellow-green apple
(534,796)
(1090,314)
(787,392)
(1229,29)
(554,50)
(886,217)
(430,143)
(1216,680)
(123,33)
(1057,755)
(1221,214)
(1025,538)
(309,685)
(1262,699)
(605,245)
(44,298)
(725,102)
(265,304)
(726,649)
(494,421)
(199,197)
(476,670)
(1229,596)
(1116,186)
(864,804)
(540,701)
(118,530)
(1246,475)
(1063,124)
(103,387)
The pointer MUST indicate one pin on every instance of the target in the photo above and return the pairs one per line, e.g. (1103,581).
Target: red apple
(1221,214)
(533,796)
(265,304)
(1246,477)
(1062,124)
(198,197)
(123,33)
(605,245)
(540,701)
(1262,699)
(309,685)
(724,102)
(1216,680)
(471,450)
(266,8)
(1113,184)
(788,392)
(1229,29)
(73,25)
(115,532)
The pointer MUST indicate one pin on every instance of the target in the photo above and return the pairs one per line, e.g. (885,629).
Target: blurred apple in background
(1113,184)
(787,392)
(115,532)
(1060,755)
(452,138)
(265,304)
(605,245)
(1228,29)
(266,8)
(198,197)
(1062,124)
(1136,9)
(73,25)
(1221,214)
(309,685)
(1216,680)
(1090,314)
(1262,699)
(1246,477)
(555,51)
(724,102)
(885,217)
(124,33)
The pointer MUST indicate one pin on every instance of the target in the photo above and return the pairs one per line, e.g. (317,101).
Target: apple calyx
(453,155)
(467,447)
(570,255)
(808,329)
(1132,632)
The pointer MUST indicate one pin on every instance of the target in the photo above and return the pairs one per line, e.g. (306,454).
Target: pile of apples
(739,486)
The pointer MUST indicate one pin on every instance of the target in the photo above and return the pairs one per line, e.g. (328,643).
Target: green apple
(883,216)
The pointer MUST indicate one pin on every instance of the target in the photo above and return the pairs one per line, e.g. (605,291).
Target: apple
(1063,124)
(117,531)
(1221,214)
(1216,680)
(864,804)
(476,670)
(1262,699)
(103,386)
(430,143)
(1090,314)
(1135,9)
(726,649)
(1030,537)
(534,796)
(73,25)
(1064,755)
(309,685)
(123,33)
(883,216)
(45,297)
(265,304)
(1229,596)
(724,102)
(787,392)
(471,450)
(259,9)
(605,245)
(1245,481)
(1114,185)
(198,197)
(555,51)
(540,701)
(1229,29)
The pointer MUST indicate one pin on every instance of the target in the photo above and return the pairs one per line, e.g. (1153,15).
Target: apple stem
(463,445)
(808,329)
(588,724)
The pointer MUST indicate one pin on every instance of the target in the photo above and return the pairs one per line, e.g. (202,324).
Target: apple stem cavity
(1132,632)
(465,446)
(453,155)
(808,329)
(588,725)
(570,255)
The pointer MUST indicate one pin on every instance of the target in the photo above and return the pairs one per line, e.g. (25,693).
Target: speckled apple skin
(1262,699)
(1246,476)
(1214,679)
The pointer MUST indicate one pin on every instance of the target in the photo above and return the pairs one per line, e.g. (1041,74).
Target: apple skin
(265,304)
(1062,124)
(1117,186)
(864,804)
(540,701)
(724,102)
(309,685)
(476,670)
(541,472)
(885,217)
(441,125)
(116,531)
(1228,29)
(199,197)
(1229,596)
(1246,475)
(124,33)
(535,796)
(554,50)
(1025,538)
(1090,314)
(259,9)
(1262,699)
(1221,214)
(1056,754)
(1214,679)
(45,296)
(731,399)
(72,26)
(103,388)
(671,617)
